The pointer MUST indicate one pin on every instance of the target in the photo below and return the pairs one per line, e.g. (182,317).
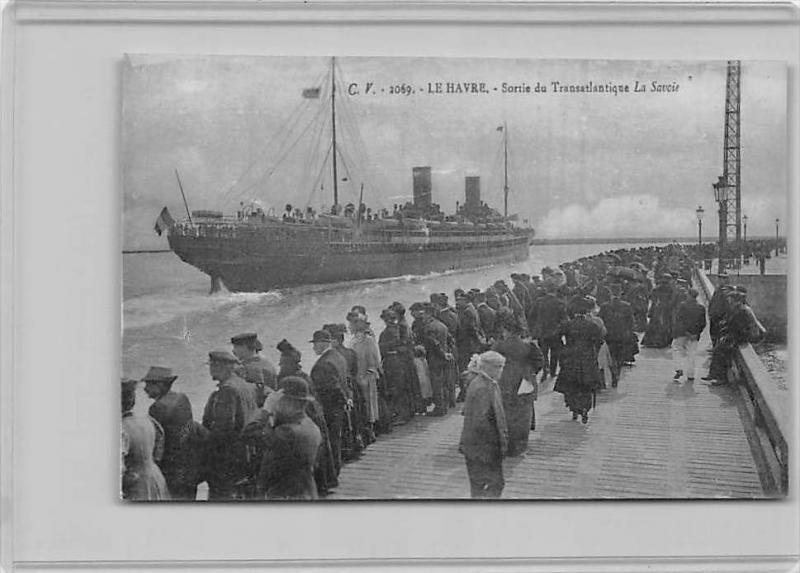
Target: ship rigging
(260,249)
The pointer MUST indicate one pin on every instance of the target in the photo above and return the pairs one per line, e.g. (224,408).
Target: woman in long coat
(394,354)
(523,361)
(662,306)
(369,364)
(579,377)
(141,445)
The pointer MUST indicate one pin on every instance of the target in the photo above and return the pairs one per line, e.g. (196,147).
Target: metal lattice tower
(728,191)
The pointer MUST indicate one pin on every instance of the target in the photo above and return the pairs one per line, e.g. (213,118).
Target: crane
(728,189)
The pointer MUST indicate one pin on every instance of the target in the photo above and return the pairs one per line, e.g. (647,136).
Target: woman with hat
(291,447)
(484,437)
(518,388)
(394,354)
(579,376)
(662,306)
(605,362)
(180,463)
(420,403)
(141,445)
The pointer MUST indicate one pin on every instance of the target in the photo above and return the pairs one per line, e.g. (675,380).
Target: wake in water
(151,310)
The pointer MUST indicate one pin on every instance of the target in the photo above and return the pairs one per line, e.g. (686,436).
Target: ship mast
(505,170)
(333,131)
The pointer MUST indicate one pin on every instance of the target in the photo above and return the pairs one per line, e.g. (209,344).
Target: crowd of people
(284,433)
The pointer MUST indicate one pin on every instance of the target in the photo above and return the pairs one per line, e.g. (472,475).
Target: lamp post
(699,213)
(777,236)
(722,243)
(744,220)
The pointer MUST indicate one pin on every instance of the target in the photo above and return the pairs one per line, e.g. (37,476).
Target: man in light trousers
(690,321)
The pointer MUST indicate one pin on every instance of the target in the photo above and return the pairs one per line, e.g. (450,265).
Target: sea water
(170,319)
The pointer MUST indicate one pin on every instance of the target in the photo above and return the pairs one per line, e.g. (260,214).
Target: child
(421,367)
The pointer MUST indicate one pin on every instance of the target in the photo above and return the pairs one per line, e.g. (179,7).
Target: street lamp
(700,212)
(720,196)
(744,220)
(777,236)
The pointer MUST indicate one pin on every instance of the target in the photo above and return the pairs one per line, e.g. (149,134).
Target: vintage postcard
(420,278)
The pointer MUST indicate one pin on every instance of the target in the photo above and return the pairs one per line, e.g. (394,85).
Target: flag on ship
(311,93)
(164,221)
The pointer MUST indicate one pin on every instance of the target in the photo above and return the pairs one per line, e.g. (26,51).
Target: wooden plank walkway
(648,438)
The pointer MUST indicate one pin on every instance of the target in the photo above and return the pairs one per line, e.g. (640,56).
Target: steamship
(258,250)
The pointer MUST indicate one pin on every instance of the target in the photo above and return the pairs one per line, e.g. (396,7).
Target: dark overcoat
(180,462)
(328,380)
(523,360)
(290,455)
(228,410)
(579,371)
(551,314)
(484,436)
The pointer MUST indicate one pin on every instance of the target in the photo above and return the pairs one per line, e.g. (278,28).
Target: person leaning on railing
(738,326)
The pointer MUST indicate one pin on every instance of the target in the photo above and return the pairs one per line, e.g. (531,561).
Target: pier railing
(767,410)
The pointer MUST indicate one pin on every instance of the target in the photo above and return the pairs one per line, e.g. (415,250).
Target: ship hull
(261,264)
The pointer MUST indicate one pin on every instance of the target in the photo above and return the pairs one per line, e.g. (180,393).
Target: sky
(587,164)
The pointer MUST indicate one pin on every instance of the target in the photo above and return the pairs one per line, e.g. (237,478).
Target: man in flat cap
(255,369)
(180,460)
(484,436)
(327,378)
(228,410)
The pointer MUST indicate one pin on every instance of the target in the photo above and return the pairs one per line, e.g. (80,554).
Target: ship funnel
(472,189)
(422,187)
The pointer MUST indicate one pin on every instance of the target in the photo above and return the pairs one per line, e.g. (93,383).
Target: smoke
(623,216)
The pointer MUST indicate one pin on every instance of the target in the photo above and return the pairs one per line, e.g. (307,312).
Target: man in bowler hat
(327,378)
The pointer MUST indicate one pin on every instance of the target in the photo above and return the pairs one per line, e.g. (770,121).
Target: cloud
(624,216)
